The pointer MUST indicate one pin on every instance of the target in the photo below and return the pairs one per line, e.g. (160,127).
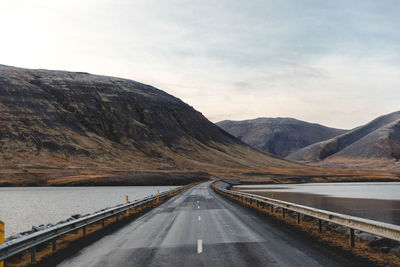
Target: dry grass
(132,176)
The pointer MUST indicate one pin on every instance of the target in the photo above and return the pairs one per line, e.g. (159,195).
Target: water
(24,207)
(375,201)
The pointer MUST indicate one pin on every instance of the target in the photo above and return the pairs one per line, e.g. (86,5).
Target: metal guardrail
(29,242)
(381,229)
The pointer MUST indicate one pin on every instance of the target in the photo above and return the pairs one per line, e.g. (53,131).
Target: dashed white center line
(197,201)
(198,207)
(199,246)
(199,218)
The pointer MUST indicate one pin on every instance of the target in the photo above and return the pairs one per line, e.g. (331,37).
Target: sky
(335,63)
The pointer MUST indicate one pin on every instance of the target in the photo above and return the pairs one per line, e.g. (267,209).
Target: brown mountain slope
(52,119)
(376,144)
(279,136)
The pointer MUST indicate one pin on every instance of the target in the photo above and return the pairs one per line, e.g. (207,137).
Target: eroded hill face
(55,119)
(279,136)
(376,144)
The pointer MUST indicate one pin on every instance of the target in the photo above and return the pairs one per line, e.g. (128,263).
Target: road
(201,228)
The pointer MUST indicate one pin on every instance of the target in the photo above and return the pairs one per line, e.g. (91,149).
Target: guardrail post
(33,255)
(84,230)
(283,213)
(2,234)
(298,217)
(54,244)
(271,208)
(158,200)
(320,225)
(102,223)
(351,238)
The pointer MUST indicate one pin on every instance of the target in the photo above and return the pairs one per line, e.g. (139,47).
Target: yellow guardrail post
(127,202)
(2,233)
(158,192)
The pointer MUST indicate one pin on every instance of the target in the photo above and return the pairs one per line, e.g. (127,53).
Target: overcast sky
(332,62)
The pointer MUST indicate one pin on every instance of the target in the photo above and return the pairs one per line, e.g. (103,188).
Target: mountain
(58,119)
(376,144)
(279,136)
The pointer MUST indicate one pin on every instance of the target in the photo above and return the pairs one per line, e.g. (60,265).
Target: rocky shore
(50,225)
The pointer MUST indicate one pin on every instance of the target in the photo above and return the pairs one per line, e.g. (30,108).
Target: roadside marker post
(127,202)
(2,233)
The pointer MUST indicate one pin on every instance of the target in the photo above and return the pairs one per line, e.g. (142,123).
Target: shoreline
(88,178)
(112,176)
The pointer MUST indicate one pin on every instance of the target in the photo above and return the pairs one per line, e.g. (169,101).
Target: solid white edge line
(199,246)
(199,218)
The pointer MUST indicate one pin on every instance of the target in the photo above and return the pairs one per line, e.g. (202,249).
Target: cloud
(332,62)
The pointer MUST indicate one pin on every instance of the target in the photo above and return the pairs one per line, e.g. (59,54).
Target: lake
(375,201)
(24,207)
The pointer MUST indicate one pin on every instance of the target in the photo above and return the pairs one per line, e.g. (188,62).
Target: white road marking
(197,201)
(198,207)
(199,246)
(199,218)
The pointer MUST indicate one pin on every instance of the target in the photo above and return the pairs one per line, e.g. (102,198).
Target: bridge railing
(31,241)
(376,228)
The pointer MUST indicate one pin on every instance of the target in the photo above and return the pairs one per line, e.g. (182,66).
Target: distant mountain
(73,119)
(279,136)
(370,145)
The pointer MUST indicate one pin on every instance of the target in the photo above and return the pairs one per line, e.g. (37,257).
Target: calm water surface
(376,201)
(24,207)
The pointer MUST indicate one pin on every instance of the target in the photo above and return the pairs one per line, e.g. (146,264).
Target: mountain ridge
(280,136)
(62,119)
(378,140)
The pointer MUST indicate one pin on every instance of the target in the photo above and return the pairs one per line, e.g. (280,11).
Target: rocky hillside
(375,144)
(279,136)
(74,119)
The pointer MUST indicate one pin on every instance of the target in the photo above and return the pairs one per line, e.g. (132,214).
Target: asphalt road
(201,228)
